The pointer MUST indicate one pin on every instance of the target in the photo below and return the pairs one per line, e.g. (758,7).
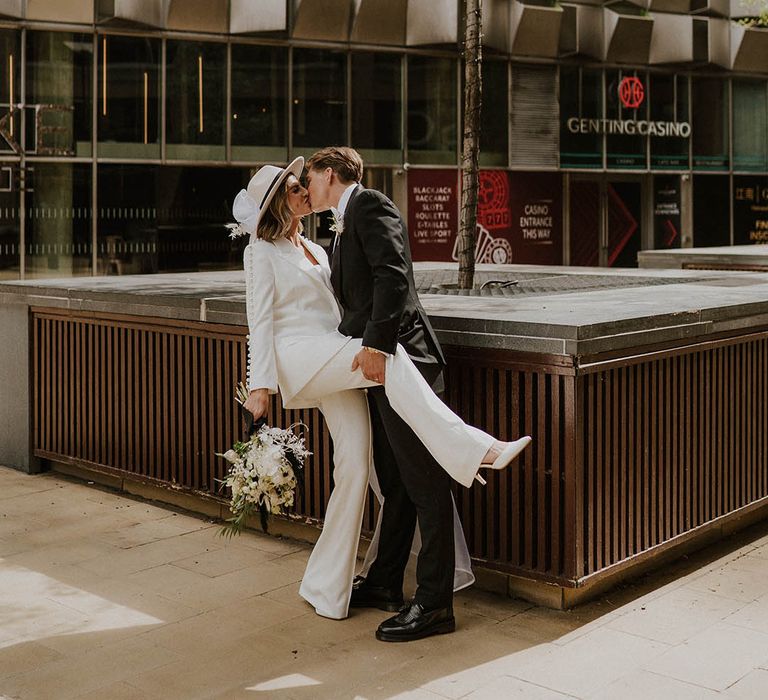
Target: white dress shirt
(338,212)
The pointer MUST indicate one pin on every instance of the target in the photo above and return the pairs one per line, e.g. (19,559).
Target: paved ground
(106,597)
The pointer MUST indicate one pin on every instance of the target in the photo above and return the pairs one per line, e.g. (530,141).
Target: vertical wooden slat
(590,469)
(516,508)
(541,442)
(633,471)
(616,466)
(474,410)
(191,409)
(622,466)
(573,464)
(555,467)
(505,433)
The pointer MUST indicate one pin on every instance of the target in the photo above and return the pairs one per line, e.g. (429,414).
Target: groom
(372,276)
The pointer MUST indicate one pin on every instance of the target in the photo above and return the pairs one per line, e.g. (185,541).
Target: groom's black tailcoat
(372,276)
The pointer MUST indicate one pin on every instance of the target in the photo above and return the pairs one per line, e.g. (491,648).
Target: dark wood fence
(628,453)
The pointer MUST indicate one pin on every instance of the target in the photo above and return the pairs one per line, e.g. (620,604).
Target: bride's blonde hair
(277,220)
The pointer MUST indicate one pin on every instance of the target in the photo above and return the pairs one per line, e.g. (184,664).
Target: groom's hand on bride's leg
(372,364)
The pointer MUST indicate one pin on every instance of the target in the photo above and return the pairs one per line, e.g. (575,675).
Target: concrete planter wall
(749,48)
(148,12)
(535,30)
(610,36)
(672,39)
(257,16)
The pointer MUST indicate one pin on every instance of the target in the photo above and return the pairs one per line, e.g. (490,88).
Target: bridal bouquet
(264,473)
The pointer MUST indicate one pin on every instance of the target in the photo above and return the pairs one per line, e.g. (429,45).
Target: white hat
(253,201)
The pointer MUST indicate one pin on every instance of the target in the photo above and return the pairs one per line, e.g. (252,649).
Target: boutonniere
(337,226)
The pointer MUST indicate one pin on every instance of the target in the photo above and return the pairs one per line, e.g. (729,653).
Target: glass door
(605,221)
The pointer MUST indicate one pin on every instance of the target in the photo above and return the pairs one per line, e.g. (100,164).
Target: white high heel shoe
(506,456)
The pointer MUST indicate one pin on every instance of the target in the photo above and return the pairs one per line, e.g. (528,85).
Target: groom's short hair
(345,162)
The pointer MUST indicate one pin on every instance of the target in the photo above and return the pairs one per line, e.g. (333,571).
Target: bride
(294,346)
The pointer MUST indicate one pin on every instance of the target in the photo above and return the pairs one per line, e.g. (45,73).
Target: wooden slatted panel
(163,394)
(670,444)
(518,520)
(625,457)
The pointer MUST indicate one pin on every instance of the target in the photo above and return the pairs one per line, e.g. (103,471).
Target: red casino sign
(631,92)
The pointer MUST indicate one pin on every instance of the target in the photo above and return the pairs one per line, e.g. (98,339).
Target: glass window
(10,92)
(581,108)
(167,218)
(377,106)
(711,210)
(625,101)
(196,80)
(709,130)
(750,209)
(750,125)
(432,110)
(667,219)
(58,226)
(669,103)
(59,81)
(128,97)
(494,132)
(259,97)
(10,237)
(319,99)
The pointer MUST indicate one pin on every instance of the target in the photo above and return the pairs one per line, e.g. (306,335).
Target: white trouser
(327,582)
(457,447)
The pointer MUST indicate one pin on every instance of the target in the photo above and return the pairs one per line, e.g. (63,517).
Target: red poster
(519,217)
(433,213)
(494,234)
(536,218)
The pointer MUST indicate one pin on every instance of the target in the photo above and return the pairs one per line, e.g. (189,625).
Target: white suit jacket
(293,317)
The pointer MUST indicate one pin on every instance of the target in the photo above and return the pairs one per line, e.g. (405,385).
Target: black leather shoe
(366,596)
(414,622)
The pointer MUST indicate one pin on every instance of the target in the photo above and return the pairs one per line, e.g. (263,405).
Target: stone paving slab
(104,596)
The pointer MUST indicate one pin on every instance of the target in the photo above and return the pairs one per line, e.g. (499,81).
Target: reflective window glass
(432,110)
(10,92)
(750,209)
(59,88)
(494,131)
(750,125)
(377,106)
(709,130)
(711,210)
(259,96)
(196,80)
(669,103)
(128,96)
(581,109)
(319,99)
(58,226)
(167,218)
(626,103)
(10,236)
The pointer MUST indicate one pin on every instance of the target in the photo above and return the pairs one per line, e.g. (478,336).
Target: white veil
(462,575)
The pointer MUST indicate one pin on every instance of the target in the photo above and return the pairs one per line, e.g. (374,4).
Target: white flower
(337,226)
(231,456)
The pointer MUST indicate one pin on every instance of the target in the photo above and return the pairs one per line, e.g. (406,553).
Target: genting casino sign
(631,94)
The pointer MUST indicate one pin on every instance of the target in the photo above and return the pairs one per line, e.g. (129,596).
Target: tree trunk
(473,56)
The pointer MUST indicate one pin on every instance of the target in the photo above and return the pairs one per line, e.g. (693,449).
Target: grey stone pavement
(104,596)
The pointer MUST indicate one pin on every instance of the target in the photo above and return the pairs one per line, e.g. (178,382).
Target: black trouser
(415,488)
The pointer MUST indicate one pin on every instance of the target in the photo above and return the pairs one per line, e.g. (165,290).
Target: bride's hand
(257,403)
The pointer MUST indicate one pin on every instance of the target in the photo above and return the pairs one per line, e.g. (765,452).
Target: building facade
(127,126)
